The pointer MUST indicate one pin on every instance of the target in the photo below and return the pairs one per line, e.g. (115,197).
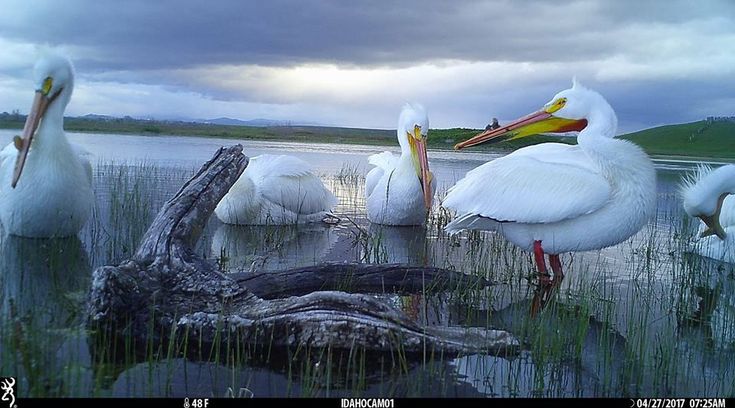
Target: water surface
(640,318)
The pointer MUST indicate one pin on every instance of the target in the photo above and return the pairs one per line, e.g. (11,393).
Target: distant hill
(238,122)
(260,122)
(254,122)
(94,116)
(705,138)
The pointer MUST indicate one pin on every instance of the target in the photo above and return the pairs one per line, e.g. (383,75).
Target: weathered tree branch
(166,290)
(357,277)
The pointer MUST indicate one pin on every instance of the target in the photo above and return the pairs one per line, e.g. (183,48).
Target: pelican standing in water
(45,181)
(276,190)
(553,198)
(706,195)
(399,190)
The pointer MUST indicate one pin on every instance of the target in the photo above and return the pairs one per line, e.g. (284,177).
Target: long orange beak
(421,163)
(23,143)
(713,221)
(425,173)
(535,123)
(713,227)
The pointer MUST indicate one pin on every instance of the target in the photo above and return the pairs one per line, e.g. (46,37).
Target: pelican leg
(538,254)
(541,296)
(541,293)
(548,290)
(556,267)
(536,303)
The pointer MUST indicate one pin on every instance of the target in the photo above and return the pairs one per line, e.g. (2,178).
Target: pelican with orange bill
(45,181)
(23,143)
(553,198)
(709,194)
(400,190)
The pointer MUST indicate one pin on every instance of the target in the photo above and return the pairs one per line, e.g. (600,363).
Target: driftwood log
(356,277)
(166,289)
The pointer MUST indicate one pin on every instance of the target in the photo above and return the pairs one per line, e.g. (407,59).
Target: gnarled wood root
(166,289)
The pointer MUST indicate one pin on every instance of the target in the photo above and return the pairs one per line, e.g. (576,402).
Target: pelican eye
(417,132)
(47,84)
(556,105)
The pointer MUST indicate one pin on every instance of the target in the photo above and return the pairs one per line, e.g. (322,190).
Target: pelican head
(413,130)
(53,77)
(568,111)
(704,191)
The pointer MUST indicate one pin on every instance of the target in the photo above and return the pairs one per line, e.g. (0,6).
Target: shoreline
(322,138)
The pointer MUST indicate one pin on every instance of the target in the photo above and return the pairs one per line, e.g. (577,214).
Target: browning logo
(7,387)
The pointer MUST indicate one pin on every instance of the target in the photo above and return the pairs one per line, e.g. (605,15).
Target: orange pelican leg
(538,254)
(556,267)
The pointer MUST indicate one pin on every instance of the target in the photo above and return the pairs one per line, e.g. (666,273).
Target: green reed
(642,318)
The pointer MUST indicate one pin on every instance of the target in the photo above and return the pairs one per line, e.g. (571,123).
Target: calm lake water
(641,318)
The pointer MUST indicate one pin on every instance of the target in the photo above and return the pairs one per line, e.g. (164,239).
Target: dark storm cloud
(184,33)
(355,63)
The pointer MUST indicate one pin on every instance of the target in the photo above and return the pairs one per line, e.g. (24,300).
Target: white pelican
(46,184)
(706,195)
(399,190)
(276,190)
(553,198)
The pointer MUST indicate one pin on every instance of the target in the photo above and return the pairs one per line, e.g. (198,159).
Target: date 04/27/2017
(678,403)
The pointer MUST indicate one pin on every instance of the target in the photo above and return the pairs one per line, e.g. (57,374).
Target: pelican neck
(50,134)
(602,124)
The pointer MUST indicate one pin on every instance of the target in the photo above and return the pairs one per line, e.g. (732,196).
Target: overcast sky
(353,63)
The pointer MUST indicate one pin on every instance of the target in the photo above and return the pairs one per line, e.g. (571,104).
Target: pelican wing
(557,153)
(289,183)
(538,184)
(9,152)
(84,156)
(384,163)
(385,160)
(727,214)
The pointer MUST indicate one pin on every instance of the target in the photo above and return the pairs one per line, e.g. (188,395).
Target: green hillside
(129,125)
(696,139)
(438,138)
